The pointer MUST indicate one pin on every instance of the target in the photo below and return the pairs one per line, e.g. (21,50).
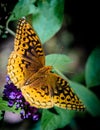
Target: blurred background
(77,38)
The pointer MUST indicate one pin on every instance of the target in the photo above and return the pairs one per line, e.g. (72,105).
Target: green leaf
(25,7)
(4,106)
(1,115)
(92,70)
(58,61)
(51,121)
(47,15)
(89,99)
(49,18)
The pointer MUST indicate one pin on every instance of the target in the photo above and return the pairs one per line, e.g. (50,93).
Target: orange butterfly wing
(27,57)
(40,87)
(64,97)
(38,92)
(46,89)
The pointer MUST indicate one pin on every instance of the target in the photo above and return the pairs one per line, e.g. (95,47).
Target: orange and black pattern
(27,70)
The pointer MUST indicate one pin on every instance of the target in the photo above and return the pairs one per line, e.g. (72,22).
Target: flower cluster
(15,97)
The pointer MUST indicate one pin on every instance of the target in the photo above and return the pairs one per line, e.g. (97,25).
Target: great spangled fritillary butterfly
(27,70)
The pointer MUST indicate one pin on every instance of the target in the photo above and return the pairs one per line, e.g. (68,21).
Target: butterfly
(39,85)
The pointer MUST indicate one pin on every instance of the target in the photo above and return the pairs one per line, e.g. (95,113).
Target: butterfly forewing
(27,57)
(64,96)
(46,89)
(27,42)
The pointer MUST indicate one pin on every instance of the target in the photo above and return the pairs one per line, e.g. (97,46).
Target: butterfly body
(27,70)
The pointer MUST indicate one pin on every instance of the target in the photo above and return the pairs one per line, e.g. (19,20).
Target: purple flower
(15,97)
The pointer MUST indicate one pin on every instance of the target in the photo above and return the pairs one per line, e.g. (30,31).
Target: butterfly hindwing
(37,96)
(20,69)
(27,57)
(46,89)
